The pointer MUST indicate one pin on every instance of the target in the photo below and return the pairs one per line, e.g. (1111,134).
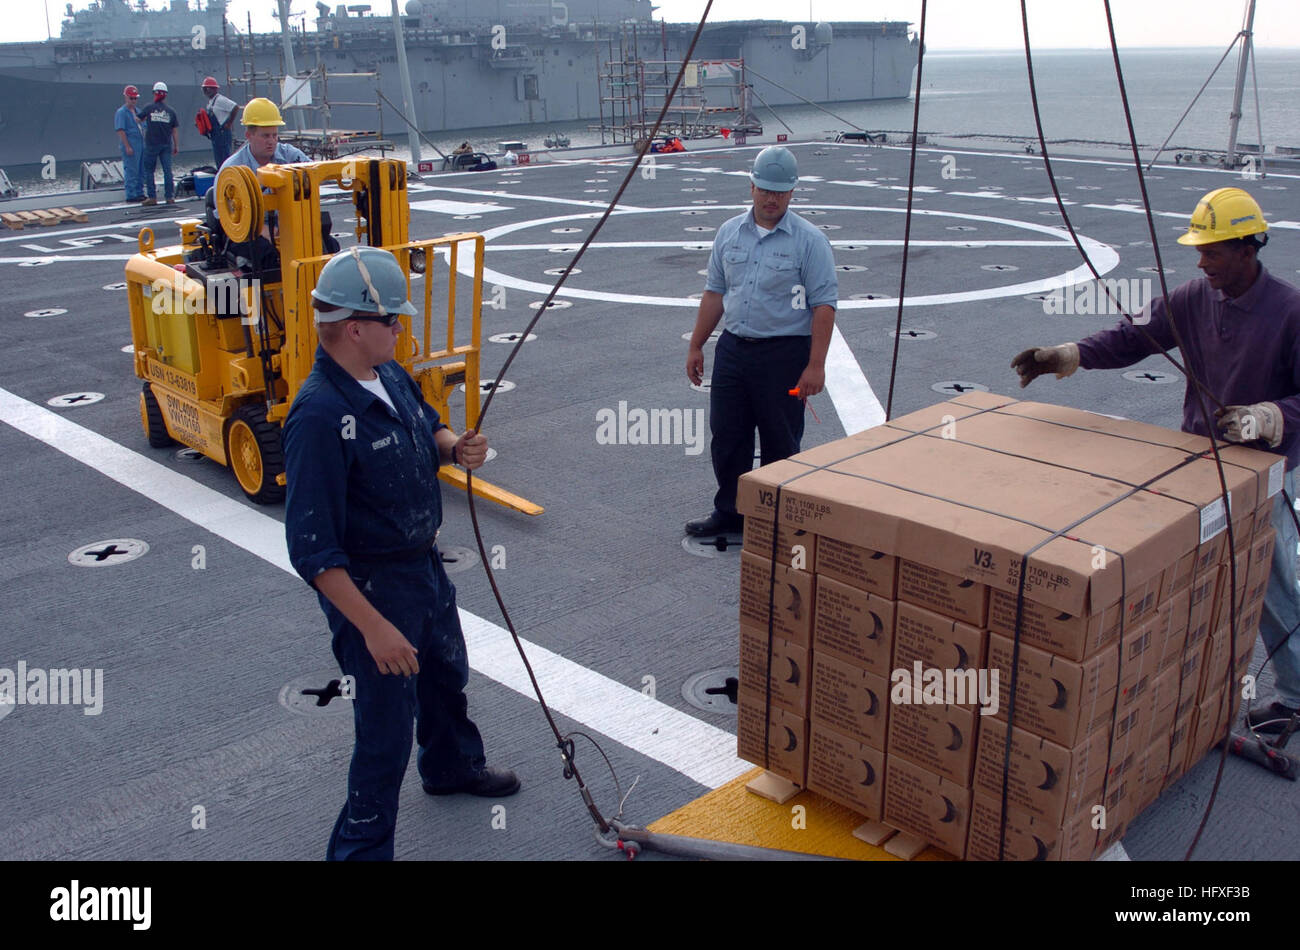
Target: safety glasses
(388,320)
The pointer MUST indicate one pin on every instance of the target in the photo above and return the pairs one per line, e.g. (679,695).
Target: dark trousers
(221,144)
(153,154)
(750,389)
(418,599)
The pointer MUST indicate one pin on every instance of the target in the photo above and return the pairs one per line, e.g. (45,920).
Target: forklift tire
(155,429)
(255,454)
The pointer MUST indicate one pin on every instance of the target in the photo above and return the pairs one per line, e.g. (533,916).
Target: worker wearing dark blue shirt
(362,451)
(161,142)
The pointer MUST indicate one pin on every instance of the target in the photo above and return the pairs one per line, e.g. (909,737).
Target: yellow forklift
(222,324)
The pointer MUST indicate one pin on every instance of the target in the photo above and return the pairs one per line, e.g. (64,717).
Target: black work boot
(716,523)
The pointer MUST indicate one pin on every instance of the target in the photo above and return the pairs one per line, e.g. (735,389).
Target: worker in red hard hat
(131,144)
(223,111)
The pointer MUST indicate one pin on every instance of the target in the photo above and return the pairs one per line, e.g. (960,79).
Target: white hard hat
(160,87)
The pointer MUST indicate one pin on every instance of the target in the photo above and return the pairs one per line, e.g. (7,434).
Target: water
(978,93)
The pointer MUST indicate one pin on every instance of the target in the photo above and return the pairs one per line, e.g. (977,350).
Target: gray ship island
(472,64)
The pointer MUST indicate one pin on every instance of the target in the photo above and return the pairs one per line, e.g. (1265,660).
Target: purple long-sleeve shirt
(1245,349)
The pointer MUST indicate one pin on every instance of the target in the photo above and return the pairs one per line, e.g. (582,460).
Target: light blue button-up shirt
(285,154)
(770,283)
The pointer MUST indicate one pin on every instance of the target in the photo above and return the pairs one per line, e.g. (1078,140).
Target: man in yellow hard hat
(262,144)
(1240,327)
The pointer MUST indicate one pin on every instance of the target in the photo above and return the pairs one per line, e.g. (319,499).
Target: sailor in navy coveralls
(362,451)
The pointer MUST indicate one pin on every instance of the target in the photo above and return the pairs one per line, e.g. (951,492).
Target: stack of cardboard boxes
(894,602)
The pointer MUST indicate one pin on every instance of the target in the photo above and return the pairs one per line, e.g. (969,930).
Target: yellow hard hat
(1222,215)
(262,112)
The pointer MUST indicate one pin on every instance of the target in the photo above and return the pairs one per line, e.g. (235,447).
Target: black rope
(907,221)
(564,745)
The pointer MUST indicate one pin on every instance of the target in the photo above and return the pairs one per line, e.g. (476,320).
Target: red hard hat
(131,91)
(211,81)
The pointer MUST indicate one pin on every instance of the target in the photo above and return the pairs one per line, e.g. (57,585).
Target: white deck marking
(700,751)
(855,402)
(446,206)
(1103,256)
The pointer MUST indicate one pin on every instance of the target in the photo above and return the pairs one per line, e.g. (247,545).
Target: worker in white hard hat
(1240,327)
(161,141)
(771,280)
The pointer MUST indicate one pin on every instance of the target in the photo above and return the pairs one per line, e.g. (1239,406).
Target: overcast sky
(950,24)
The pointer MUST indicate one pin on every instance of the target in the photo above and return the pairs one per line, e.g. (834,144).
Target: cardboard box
(1178,612)
(846,771)
(1189,676)
(973,513)
(852,564)
(850,700)
(1055,698)
(1180,576)
(1200,619)
(792,597)
(1074,638)
(1151,771)
(854,626)
(1164,704)
(794,547)
(787,737)
(926,805)
(1214,667)
(939,738)
(1261,564)
(1209,725)
(936,642)
(1225,588)
(790,670)
(957,597)
(1027,838)
(1044,778)
(921,488)
(1180,738)
(1143,645)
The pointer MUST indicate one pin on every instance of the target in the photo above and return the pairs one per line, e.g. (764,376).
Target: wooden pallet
(46,217)
(900,844)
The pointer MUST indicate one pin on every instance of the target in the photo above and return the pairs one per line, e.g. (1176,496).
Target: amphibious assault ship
(472,64)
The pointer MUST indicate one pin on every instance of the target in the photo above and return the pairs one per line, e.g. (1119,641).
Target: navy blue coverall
(363,495)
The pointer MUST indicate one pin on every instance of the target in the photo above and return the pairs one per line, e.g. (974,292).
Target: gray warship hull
(60,95)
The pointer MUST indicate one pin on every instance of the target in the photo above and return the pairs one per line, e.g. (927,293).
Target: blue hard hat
(775,169)
(363,280)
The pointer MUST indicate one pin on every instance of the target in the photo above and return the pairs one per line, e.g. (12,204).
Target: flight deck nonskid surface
(195,658)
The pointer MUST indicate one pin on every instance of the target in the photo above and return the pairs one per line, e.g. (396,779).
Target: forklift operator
(262,146)
(362,450)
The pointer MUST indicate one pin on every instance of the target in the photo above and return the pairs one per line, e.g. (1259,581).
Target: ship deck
(202,667)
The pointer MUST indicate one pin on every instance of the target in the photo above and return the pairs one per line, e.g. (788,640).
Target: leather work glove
(1263,420)
(1062,360)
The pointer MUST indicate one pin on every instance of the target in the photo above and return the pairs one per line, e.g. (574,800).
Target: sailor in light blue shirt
(771,280)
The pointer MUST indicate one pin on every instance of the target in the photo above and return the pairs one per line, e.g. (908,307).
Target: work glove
(1263,420)
(1062,360)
